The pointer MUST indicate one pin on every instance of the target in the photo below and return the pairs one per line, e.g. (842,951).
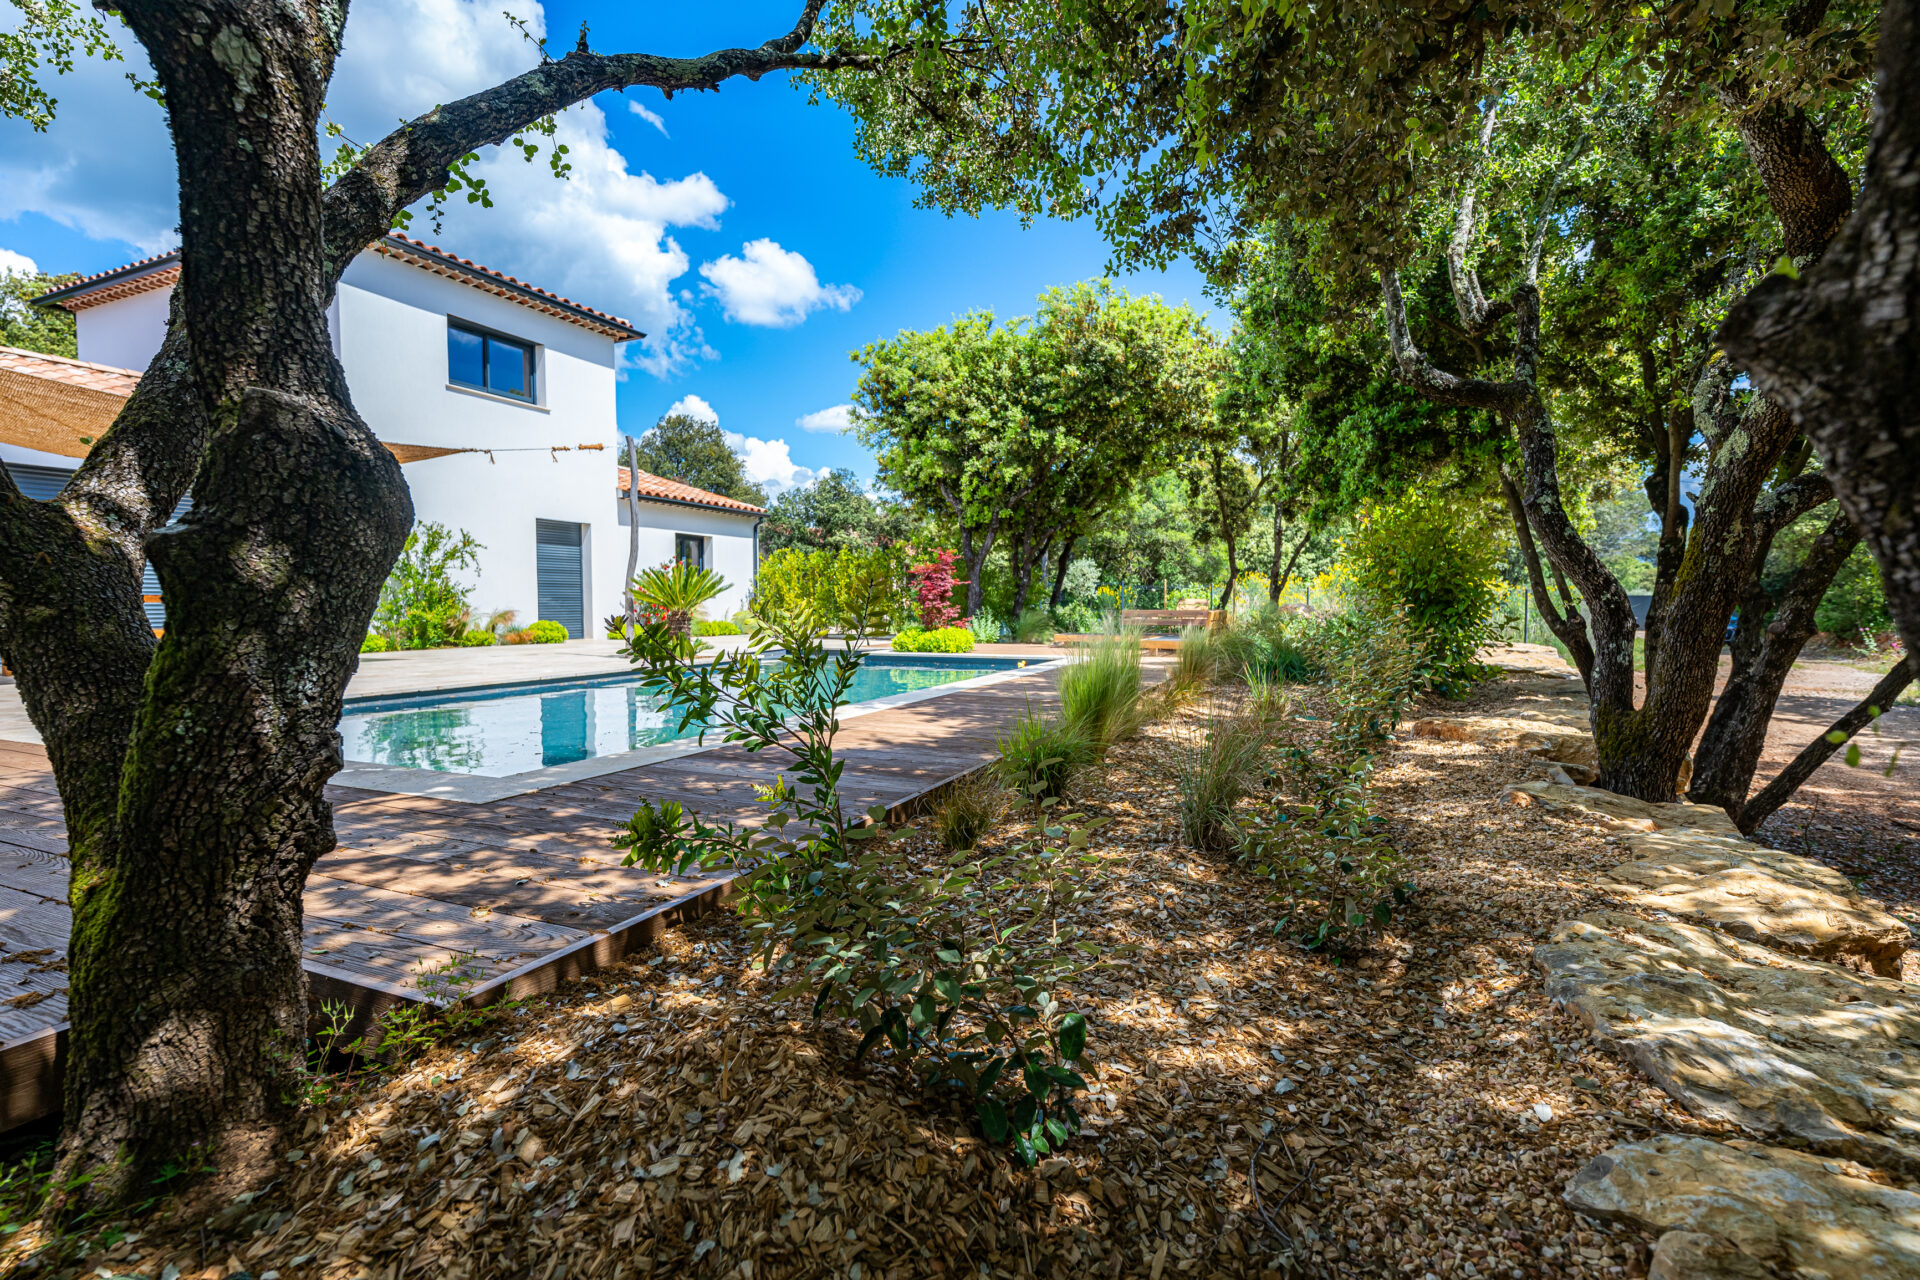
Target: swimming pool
(506,730)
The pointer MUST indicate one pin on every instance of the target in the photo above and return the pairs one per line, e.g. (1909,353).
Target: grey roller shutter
(557,548)
(42,483)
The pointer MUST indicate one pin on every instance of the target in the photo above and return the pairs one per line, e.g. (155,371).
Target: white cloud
(17,264)
(105,166)
(693,407)
(601,236)
(771,287)
(769,464)
(651,117)
(835,418)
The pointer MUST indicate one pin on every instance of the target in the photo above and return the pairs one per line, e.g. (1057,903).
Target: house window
(489,362)
(690,548)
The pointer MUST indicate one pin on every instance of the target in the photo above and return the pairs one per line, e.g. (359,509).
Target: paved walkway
(522,892)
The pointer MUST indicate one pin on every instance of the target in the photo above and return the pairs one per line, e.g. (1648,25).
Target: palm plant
(675,590)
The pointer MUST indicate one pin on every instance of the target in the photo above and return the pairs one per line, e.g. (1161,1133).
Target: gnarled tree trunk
(1839,345)
(192,770)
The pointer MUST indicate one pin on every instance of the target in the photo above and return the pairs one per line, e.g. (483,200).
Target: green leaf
(1073,1036)
(993,1119)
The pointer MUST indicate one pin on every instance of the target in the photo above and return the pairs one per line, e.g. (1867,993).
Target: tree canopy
(1031,430)
(695,451)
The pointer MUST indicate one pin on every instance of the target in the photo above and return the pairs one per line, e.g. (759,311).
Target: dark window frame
(699,540)
(489,340)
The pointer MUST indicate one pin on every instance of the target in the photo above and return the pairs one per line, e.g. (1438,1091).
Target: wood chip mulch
(1259,1111)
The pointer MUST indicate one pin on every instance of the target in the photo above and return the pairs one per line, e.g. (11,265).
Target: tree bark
(1816,753)
(188,1000)
(1764,652)
(192,770)
(1839,345)
(1283,575)
(1060,571)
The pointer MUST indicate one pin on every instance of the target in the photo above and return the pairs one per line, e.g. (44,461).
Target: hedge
(945,640)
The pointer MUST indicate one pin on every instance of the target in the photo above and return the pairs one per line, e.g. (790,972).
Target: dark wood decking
(518,894)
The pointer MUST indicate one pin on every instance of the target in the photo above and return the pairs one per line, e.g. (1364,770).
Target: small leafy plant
(949,965)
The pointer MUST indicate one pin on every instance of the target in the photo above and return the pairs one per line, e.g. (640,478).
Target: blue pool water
(512,729)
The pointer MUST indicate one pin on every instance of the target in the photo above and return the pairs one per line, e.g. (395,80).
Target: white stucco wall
(389,325)
(729,547)
(124,334)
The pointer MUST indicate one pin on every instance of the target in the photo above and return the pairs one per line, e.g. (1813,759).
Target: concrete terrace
(522,891)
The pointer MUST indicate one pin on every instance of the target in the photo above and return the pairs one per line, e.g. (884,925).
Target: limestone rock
(1692,1255)
(1740,1210)
(1763,895)
(1621,812)
(1780,1045)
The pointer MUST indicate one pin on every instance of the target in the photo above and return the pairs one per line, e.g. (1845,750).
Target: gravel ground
(1412,1112)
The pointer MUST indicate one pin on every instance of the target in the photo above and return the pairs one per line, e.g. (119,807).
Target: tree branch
(1816,753)
(1435,383)
(1785,503)
(415,159)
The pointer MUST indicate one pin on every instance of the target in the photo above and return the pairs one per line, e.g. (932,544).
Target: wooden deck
(520,894)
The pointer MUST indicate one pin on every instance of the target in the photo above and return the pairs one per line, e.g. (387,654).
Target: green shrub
(1033,626)
(421,605)
(1436,564)
(1039,756)
(1100,691)
(1077,617)
(952,972)
(864,589)
(376,644)
(1215,769)
(966,814)
(945,640)
(985,627)
(1338,877)
(1856,600)
(1274,645)
(716,628)
(545,631)
(477,639)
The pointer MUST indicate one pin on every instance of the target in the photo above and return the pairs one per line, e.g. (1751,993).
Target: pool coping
(473,788)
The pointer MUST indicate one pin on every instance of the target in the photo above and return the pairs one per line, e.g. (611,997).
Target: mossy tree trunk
(192,769)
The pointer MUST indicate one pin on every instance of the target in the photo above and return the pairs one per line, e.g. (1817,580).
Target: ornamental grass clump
(1100,692)
(1215,769)
(967,813)
(950,968)
(1198,660)
(1039,756)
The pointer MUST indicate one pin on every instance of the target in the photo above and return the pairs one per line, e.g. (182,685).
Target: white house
(497,395)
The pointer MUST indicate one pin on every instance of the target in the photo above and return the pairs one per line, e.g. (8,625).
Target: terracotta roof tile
(665,490)
(163,270)
(78,373)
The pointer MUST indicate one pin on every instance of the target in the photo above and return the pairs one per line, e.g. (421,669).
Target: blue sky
(738,228)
